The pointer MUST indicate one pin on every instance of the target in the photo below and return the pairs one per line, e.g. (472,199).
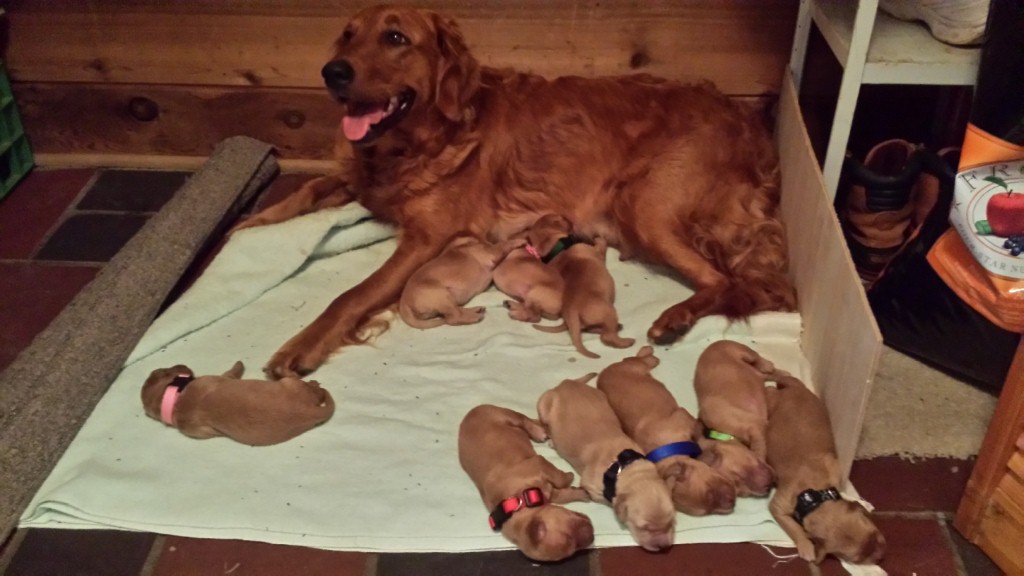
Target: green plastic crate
(15,154)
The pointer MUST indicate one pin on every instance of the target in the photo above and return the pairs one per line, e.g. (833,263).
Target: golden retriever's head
(393,63)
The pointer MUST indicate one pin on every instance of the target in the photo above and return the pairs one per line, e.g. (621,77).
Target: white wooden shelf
(899,52)
(874,48)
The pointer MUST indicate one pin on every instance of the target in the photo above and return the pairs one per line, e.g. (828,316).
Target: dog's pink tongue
(356,127)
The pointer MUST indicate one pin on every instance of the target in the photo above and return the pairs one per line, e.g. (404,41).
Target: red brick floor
(59,227)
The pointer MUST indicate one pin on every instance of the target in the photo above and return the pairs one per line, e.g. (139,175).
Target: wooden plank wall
(153,77)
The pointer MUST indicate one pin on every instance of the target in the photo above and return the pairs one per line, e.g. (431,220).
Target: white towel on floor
(383,473)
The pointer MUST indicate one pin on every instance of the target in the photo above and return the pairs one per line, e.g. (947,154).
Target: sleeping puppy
(435,294)
(520,487)
(650,415)
(526,277)
(807,504)
(584,430)
(589,294)
(254,412)
(729,381)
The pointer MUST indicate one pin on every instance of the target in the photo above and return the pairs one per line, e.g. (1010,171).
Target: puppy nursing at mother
(435,293)
(520,487)
(525,275)
(584,430)
(650,415)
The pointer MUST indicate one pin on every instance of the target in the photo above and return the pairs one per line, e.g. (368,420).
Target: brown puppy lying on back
(525,276)
(650,415)
(807,504)
(521,487)
(254,412)
(589,295)
(585,431)
(729,381)
(435,293)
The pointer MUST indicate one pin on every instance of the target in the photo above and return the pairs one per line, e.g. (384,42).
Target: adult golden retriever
(439,145)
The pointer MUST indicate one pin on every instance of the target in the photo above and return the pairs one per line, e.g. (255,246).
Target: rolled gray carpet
(53,385)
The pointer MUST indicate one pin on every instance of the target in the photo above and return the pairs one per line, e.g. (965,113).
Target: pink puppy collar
(170,398)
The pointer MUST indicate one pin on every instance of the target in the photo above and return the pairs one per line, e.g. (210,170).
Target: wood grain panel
(190,121)
(100,122)
(740,45)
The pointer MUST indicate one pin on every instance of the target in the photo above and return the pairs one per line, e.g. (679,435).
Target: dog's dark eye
(395,38)
(347,35)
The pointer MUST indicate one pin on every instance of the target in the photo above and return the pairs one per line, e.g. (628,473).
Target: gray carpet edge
(50,389)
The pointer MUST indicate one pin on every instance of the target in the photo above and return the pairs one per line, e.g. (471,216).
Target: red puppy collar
(531,498)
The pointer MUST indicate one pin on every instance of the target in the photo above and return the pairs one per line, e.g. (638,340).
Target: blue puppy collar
(690,449)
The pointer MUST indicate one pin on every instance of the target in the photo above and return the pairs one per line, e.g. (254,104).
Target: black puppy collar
(611,475)
(809,500)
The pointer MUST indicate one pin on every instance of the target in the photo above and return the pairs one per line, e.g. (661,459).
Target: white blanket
(383,473)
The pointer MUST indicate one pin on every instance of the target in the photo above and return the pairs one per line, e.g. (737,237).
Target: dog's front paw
(672,325)
(295,361)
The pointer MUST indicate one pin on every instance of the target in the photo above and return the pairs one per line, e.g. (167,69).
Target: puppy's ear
(536,532)
(458,73)
(819,549)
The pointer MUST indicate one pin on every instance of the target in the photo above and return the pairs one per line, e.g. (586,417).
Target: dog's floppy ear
(458,73)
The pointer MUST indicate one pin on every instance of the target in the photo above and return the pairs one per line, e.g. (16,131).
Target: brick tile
(132,190)
(743,559)
(81,553)
(202,557)
(976,563)
(89,237)
(33,208)
(893,484)
(497,563)
(31,295)
(913,546)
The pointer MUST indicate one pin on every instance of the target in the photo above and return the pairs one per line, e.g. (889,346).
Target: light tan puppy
(523,275)
(802,451)
(496,451)
(584,430)
(650,415)
(435,294)
(729,381)
(254,412)
(588,300)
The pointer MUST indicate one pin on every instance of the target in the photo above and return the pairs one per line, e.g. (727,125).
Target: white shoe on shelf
(959,22)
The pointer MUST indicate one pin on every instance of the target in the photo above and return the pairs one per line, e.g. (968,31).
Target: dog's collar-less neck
(562,245)
(809,500)
(529,498)
(687,448)
(170,398)
(611,475)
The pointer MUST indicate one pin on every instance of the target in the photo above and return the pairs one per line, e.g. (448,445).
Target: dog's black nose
(338,74)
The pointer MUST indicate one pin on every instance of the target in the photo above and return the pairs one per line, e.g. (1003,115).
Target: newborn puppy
(436,292)
(589,295)
(807,504)
(729,381)
(526,277)
(650,415)
(521,487)
(584,430)
(254,412)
